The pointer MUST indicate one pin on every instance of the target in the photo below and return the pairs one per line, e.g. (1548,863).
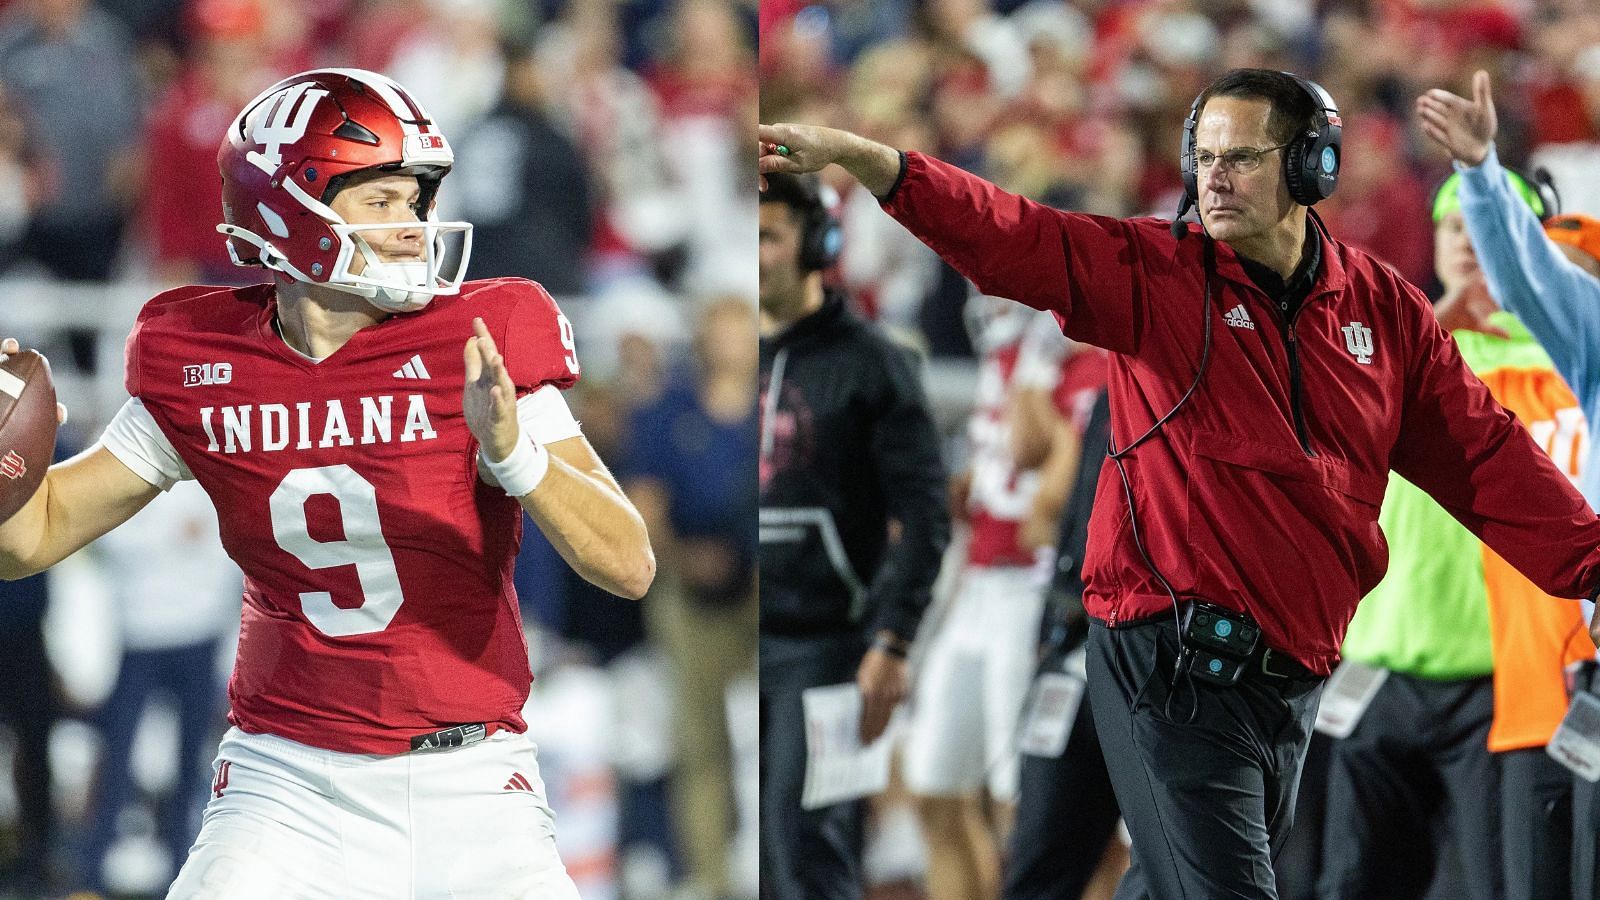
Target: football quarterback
(370,427)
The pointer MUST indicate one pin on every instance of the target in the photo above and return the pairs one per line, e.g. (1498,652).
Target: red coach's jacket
(1262,495)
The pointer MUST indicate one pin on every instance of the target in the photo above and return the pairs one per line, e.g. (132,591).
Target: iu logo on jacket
(1358,340)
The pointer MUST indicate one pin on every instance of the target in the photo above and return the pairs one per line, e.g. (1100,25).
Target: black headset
(812,200)
(1310,162)
(820,237)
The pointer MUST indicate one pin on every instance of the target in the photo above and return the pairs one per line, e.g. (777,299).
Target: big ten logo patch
(207,373)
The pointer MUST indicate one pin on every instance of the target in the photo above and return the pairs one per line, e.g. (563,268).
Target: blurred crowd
(1081,105)
(112,112)
(596,145)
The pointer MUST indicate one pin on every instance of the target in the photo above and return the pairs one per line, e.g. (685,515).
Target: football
(27,427)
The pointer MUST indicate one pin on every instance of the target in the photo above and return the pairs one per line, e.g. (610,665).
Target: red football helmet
(294,146)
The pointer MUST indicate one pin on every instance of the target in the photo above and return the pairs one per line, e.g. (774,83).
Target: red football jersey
(378,602)
(1000,495)
(1084,370)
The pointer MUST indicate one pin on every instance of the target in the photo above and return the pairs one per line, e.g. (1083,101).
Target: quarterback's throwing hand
(9,346)
(489,399)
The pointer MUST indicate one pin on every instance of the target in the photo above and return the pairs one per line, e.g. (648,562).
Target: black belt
(1277,664)
(1265,662)
(458,736)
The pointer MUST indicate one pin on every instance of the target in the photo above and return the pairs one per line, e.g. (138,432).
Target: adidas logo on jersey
(518,783)
(413,369)
(1239,317)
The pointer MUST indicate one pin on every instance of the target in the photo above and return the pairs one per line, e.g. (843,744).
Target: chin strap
(392,298)
(401,287)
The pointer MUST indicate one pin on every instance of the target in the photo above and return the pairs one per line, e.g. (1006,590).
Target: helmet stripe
(404,107)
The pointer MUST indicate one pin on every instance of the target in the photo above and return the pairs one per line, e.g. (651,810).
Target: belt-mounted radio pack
(1217,643)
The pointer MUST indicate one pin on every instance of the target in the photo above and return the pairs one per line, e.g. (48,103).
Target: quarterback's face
(782,279)
(378,201)
(1239,206)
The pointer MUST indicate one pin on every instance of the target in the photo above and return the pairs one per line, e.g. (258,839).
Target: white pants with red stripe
(972,686)
(292,822)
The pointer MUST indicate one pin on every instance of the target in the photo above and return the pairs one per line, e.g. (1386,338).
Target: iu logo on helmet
(12,465)
(287,118)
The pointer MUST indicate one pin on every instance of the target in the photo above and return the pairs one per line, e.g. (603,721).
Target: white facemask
(399,286)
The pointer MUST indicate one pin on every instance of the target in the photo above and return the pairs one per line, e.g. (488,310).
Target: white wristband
(522,470)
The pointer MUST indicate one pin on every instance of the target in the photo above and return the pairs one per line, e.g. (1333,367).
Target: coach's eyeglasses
(1239,160)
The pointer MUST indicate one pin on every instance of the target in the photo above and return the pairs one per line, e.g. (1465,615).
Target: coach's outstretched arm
(1072,264)
(576,503)
(797,149)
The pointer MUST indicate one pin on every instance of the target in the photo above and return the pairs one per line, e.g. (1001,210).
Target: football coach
(1264,380)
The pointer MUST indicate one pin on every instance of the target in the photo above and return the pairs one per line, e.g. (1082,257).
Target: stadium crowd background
(1080,105)
(599,151)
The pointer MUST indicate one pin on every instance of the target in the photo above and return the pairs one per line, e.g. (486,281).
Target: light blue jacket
(1529,276)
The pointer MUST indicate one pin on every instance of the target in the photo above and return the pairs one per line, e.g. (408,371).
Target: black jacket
(849,453)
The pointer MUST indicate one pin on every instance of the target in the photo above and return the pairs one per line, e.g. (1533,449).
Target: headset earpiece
(819,247)
(1311,161)
(1294,169)
(1191,178)
(821,241)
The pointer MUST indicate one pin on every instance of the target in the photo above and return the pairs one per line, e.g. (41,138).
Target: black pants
(1419,758)
(1066,813)
(805,854)
(1586,815)
(1299,863)
(1208,801)
(29,708)
(1536,825)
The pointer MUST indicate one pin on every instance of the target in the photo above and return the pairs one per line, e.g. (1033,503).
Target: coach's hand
(1594,626)
(798,149)
(882,680)
(1466,128)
